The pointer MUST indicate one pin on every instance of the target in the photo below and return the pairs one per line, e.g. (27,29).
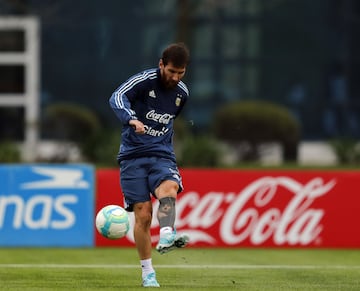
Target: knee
(167,189)
(145,219)
(143,214)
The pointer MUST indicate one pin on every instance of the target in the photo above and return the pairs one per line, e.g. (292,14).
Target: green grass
(188,269)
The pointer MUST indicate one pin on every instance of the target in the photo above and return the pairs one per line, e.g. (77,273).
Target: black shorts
(141,176)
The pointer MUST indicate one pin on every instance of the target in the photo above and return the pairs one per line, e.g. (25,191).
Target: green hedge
(257,122)
(9,152)
(199,151)
(73,122)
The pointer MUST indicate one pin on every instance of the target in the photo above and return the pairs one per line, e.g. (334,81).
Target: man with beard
(147,104)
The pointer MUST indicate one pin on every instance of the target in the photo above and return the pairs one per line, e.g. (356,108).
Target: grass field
(187,269)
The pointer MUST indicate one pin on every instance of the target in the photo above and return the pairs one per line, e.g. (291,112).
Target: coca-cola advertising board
(255,208)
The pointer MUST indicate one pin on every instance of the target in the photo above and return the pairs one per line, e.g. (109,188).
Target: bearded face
(170,75)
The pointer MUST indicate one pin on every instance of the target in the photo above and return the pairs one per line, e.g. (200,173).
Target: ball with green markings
(112,222)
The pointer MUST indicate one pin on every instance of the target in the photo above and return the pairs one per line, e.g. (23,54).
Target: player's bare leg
(143,216)
(169,240)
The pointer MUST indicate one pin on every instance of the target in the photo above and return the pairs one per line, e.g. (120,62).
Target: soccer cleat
(150,281)
(171,242)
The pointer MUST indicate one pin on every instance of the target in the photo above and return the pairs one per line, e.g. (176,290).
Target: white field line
(120,266)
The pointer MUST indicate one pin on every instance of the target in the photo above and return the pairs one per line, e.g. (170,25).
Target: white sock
(146,267)
(165,230)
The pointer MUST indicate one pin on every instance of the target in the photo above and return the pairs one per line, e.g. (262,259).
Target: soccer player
(147,104)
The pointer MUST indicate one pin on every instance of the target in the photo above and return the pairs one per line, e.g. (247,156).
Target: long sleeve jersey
(144,97)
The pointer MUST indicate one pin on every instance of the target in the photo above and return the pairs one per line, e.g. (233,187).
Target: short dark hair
(176,53)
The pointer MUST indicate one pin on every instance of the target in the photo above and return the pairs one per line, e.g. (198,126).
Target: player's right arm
(137,125)
(125,95)
(121,105)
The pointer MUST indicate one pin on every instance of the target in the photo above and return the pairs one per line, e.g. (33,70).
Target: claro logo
(44,211)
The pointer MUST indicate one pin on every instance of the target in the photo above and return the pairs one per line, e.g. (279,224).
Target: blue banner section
(47,205)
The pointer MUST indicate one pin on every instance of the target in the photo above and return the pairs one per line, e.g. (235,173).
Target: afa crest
(178,101)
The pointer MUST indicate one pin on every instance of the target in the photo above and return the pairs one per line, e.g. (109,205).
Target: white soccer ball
(112,222)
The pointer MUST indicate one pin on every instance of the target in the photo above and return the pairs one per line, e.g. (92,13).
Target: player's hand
(137,125)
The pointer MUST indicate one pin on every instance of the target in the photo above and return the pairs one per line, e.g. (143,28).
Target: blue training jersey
(144,97)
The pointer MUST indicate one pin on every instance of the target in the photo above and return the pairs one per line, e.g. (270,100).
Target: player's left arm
(184,99)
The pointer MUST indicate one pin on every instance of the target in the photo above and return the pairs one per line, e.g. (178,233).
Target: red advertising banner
(256,208)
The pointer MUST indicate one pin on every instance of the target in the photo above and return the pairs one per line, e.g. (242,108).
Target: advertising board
(256,208)
(46,205)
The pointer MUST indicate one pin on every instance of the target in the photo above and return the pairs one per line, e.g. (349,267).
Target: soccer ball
(112,222)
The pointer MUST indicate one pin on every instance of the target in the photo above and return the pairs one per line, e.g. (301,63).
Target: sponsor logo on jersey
(152,94)
(158,117)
